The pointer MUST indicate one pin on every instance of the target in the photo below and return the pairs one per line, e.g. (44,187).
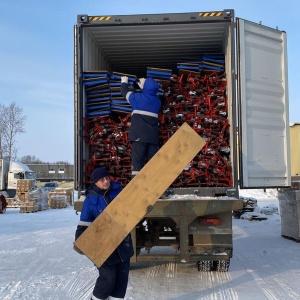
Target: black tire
(205,265)
(222,265)
(237,214)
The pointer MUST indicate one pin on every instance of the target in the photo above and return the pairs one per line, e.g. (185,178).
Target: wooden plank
(138,197)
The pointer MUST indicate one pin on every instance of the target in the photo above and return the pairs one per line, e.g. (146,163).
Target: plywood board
(137,198)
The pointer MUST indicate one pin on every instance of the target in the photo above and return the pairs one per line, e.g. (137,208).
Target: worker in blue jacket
(114,272)
(143,131)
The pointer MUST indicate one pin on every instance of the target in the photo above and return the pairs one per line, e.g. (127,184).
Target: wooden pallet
(139,196)
(42,208)
(12,203)
(59,205)
(29,209)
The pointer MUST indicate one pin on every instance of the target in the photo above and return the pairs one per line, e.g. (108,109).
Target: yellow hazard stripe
(211,14)
(107,18)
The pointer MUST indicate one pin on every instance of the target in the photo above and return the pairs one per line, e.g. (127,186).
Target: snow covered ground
(37,262)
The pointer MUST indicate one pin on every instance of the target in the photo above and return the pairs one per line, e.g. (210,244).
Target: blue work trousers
(112,280)
(141,153)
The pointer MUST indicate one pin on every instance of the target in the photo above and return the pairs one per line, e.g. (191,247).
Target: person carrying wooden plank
(113,274)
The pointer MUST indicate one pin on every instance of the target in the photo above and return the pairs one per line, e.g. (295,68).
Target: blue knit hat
(99,173)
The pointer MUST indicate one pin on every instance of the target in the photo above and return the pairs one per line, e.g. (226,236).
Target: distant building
(53,172)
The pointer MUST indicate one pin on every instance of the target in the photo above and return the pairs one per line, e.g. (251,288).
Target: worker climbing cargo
(143,132)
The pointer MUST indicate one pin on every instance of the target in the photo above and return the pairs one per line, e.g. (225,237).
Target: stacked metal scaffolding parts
(163,76)
(118,103)
(97,93)
(107,138)
(210,62)
(103,94)
(196,96)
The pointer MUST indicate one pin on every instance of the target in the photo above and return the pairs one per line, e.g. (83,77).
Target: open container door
(78,116)
(263,106)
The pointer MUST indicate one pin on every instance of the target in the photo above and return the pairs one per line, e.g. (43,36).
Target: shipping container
(253,65)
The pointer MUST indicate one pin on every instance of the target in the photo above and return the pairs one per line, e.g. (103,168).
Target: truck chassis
(186,230)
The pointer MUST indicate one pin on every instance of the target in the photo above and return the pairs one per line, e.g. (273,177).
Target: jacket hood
(151,86)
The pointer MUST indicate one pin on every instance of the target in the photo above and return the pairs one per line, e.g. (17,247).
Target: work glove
(77,249)
(141,83)
(124,79)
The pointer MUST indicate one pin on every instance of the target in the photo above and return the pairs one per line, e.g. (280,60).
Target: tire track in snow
(281,280)
(171,269)
(144,282)
(275,286)
(9,290)
(226,292)
(162,273)
(170,280)
(79,289)
(207,280)
(151,273)
(211,280)
(19,251)
(74,287)
(60,286)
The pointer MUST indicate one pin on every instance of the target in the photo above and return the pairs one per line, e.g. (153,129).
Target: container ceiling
(132,48)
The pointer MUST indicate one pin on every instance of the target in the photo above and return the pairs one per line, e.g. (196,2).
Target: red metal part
(198,99)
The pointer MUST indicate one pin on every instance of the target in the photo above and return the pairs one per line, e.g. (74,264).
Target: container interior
(132,47)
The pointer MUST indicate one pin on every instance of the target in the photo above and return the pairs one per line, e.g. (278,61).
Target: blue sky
(36,58)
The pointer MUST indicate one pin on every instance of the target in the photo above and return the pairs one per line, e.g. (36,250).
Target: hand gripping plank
(105,234)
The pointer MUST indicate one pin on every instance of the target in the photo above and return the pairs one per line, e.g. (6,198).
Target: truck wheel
(237,214)
(222,265)
(205,265)
(3,204)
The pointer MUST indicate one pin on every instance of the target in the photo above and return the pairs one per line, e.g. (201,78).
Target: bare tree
(30,159)
(1,129)
(61,162)
(12,123)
